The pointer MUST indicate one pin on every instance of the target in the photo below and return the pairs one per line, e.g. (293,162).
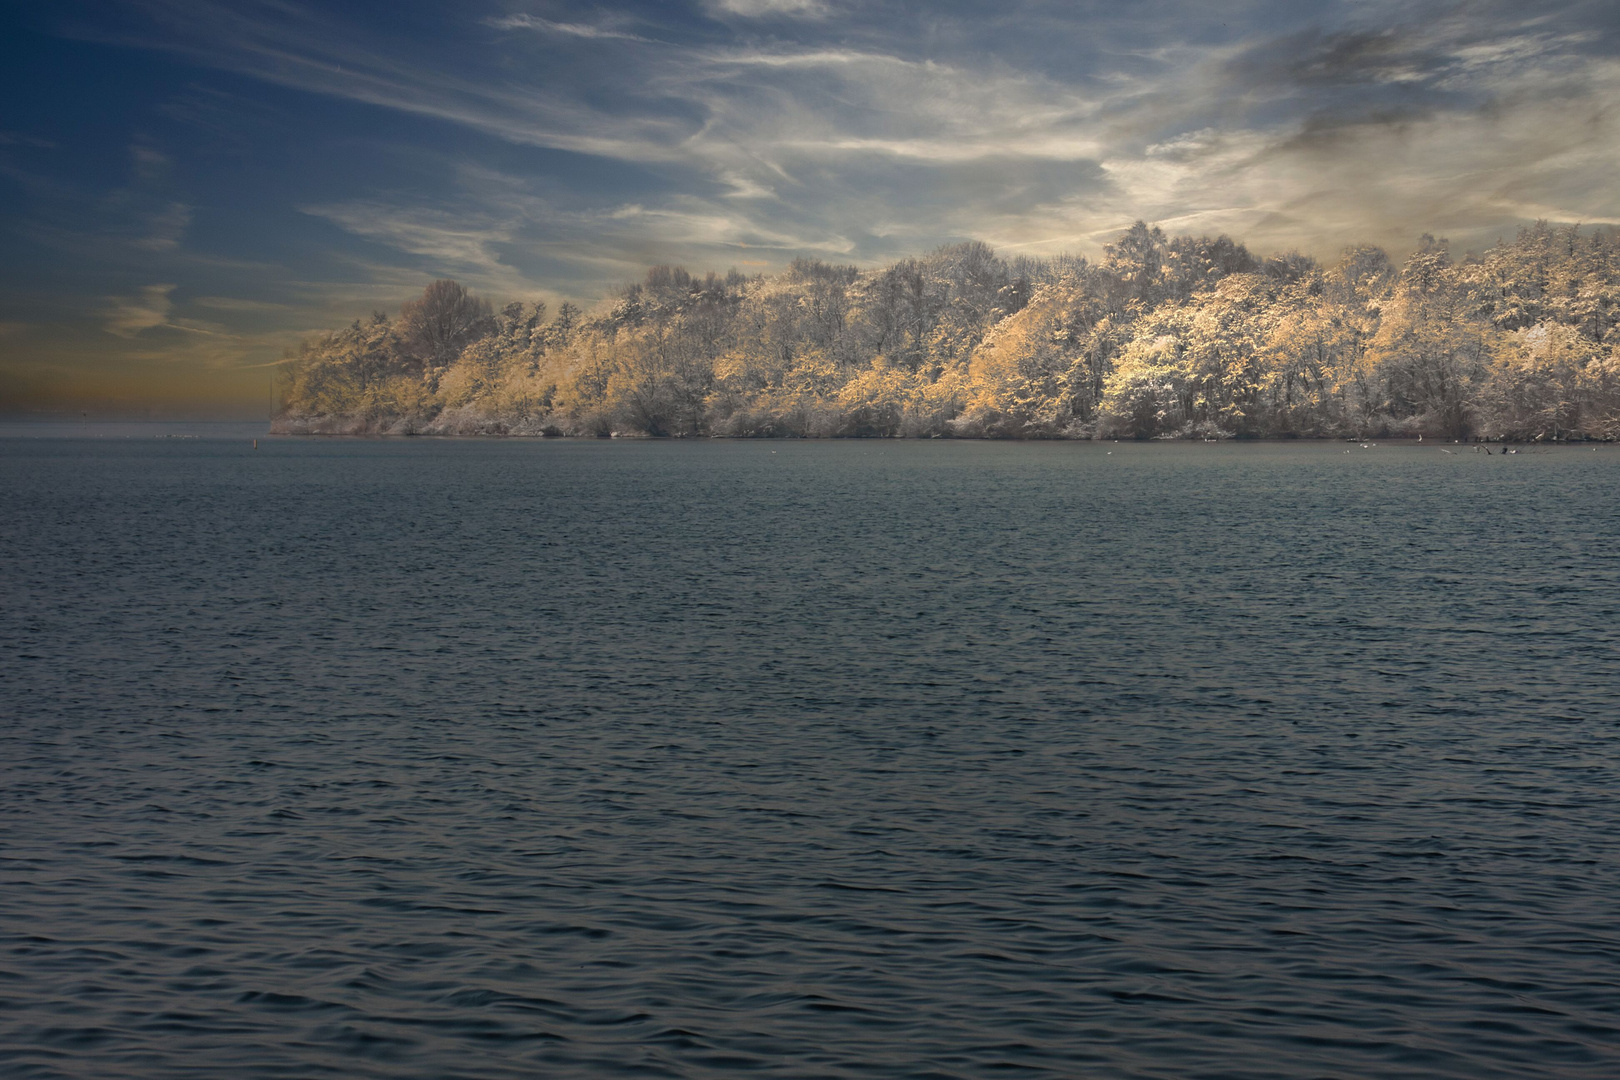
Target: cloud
(152,308)
(757,9)
(547,26)
(815,58)
(234,303)
(449,239)
(150,165)
(128,316)
(296,46)
(502,234)
(870,136)
(166,228)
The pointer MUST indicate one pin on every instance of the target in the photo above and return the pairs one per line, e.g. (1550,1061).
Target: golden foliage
(1168,337)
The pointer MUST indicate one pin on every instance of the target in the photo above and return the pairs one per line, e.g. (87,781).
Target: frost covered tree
(1165,337)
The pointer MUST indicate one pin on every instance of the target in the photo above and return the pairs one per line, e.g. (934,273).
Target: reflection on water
(501,759)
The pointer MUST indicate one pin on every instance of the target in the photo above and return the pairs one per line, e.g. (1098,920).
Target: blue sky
(188,187)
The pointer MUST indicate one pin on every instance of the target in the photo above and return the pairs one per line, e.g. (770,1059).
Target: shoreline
(393,432)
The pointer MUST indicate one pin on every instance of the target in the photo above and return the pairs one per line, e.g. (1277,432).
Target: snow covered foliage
(1184,337)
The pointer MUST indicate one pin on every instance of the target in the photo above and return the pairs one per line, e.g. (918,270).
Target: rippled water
(516,759)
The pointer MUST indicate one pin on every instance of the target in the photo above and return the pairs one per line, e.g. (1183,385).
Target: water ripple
(489,759)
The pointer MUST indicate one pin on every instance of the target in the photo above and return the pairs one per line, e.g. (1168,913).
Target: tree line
(1164,337)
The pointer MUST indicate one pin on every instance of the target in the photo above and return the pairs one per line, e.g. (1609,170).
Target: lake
(464,758)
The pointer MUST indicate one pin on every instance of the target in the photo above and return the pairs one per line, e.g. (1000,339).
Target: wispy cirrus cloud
(800,120)
(757,9)
(127,316)
(564,29)
(166,227)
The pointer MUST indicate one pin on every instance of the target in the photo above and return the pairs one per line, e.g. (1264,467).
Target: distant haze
(191,187)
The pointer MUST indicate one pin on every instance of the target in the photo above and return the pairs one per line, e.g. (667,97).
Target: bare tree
(442,322)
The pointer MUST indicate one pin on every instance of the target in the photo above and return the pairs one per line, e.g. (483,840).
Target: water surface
(495,759)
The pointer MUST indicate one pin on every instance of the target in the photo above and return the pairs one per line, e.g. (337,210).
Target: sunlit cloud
(800,123)
(450,239)
(565,29)
(754,9)
(127,316)
(234,303)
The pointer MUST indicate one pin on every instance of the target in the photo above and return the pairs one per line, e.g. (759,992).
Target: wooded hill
(1184,337)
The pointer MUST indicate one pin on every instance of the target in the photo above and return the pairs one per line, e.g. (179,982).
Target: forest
(1162,338)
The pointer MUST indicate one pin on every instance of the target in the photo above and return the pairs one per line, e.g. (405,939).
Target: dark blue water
(518,759)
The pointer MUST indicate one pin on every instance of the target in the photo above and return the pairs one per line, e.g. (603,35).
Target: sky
(188,188)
